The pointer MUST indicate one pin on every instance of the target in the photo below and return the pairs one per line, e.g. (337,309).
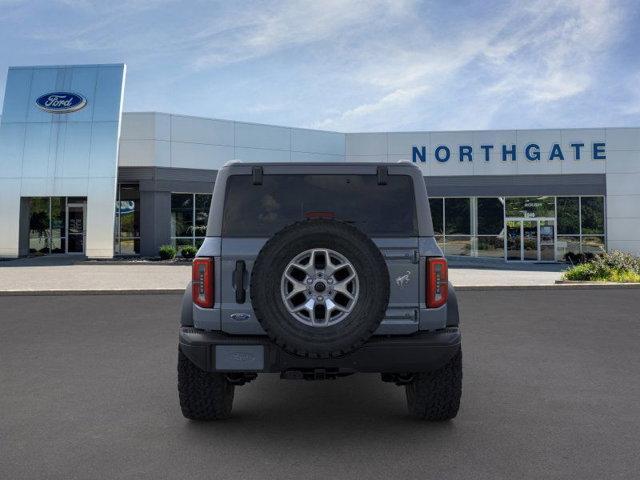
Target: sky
(351,65)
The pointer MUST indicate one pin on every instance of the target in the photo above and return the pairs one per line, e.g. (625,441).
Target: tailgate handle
(414,256)
(238,281)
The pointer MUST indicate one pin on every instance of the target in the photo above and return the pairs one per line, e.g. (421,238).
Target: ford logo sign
(61,102)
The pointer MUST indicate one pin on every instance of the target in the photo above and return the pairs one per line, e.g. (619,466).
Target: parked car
(316,271)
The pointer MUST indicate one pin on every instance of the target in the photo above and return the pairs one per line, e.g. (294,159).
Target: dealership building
(79,176)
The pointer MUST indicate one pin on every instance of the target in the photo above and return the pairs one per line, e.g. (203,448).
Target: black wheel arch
(453,315)
(186,312)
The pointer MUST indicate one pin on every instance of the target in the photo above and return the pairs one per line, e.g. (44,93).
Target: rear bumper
(218,352)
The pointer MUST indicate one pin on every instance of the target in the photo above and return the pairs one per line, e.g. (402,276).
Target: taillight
(437,282)
(202,285)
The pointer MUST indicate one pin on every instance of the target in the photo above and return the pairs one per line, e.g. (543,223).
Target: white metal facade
(75,154)
(61,155)
(164,140)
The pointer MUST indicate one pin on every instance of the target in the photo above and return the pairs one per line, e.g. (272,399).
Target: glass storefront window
(129,211)
(181,214)
(39,225)
(490,216)
(189,217)
(593,244)
(48,224)
(127,227)
(58,216)
(129,246)
(435,205)
(568,216)
(514,239)
(490,246)
(58,244)
(457,216)
(592,214)
(457,245)
(567,244)
(541,228)
(203,202)
(530,207)
(182,242)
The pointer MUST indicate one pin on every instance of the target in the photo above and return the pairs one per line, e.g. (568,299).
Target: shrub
(578,258)
(615,266)
(167,252)
(188,251)
(617,260)
(583,271)
(624,277)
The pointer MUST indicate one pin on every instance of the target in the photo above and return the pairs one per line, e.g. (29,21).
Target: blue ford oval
(61,102)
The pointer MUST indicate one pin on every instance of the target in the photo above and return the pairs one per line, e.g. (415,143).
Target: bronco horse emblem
(403,280)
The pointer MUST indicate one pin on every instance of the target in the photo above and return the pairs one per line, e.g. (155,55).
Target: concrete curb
(459,288)
(551,286)
(581,282)
(179,263)
(157,291)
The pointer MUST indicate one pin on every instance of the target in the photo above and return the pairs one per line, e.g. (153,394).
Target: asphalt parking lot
(551,390)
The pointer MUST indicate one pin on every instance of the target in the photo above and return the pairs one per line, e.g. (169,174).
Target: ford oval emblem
(61,102)
(240,316)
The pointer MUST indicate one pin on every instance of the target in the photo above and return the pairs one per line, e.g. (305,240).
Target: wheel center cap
(320,287)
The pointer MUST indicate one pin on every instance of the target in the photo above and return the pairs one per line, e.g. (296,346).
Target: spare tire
(320,288)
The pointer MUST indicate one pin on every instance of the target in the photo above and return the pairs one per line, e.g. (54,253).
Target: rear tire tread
(435,396)
(203,395)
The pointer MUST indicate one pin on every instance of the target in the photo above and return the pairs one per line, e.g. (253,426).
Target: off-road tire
(435,396)
(334,340)
(203,395)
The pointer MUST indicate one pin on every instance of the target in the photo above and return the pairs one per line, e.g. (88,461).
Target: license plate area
(243,358)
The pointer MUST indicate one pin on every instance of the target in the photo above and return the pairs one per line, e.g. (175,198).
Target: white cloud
(537,54)
(283,25)
(350,64)
(631,104)
(551,56)
(398,98)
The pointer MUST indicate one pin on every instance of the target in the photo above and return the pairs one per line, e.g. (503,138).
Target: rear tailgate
(238,257)
(401,255)
(236,314)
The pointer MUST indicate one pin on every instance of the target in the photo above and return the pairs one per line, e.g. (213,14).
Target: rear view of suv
(318,271)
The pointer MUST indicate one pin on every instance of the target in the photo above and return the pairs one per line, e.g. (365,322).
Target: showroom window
(47,228)
(490,238)
(57,225)
(457,226)
(452,224)
(189,216)
(580,225)
(127,226)
(530,207)
(437,217)
(568,225)
(475,226)
(568,215)
(592,220)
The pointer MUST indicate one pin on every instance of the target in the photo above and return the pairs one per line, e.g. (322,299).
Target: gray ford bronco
(317,271)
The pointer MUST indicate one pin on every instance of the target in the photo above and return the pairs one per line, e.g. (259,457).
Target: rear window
(262,210)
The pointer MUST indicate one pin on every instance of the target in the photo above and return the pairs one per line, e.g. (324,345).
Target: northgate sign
(531,152)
